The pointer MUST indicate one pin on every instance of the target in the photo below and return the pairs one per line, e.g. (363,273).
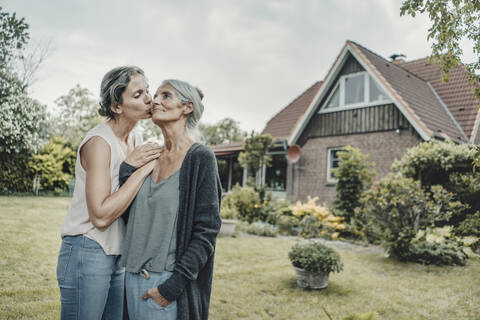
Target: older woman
(90,279)
(174,220)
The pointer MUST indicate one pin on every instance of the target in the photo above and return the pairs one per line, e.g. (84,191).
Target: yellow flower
(256,205)
(335,235)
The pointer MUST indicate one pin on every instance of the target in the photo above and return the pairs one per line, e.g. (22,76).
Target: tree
(452,22)
(354,175)
(23,121)
(256,154)
(23,124)
(224,131)
(14,36)
(78,114)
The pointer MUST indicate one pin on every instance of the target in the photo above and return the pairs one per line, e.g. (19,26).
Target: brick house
(381,107)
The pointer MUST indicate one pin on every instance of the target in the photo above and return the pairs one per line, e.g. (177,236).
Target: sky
(251,58)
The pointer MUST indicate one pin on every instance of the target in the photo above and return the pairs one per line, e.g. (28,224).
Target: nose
(148,99)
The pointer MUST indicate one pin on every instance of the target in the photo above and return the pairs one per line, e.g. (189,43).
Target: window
(276,174)
(354,91)
(333,161)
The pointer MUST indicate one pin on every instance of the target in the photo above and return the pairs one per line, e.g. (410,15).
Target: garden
(401,247)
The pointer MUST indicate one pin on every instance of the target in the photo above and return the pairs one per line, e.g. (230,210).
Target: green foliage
(315,257)
(23,121)
(23,124)
(224,131)
(245,201)
(275,209)
(310,227)
(448,252)
(470,226)
(78,114)
(252,204)
(256,154)
(16,174)
(354,175)
(262,229)
(288,225)
(453,21)
(399,207)
(13,36)
(55,164)
(446,164)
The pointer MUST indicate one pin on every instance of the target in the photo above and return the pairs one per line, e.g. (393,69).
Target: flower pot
(310,280)
(228,227)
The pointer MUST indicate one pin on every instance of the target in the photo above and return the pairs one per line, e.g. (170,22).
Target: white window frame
(329,163)
(366,95)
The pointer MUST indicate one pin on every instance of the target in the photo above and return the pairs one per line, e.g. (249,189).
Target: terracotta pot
(306,279)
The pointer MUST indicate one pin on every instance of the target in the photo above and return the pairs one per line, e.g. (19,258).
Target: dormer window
(354,91)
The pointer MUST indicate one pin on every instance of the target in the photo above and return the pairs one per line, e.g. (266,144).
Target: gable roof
(281,126)
(415,96)
(457,93)
(451,112)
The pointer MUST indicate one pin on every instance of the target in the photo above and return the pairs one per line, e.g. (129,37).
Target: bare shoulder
(95,151)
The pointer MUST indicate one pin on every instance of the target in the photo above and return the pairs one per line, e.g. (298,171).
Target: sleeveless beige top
(77,221)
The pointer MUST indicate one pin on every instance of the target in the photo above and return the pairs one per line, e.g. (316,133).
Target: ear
(116,108)
(188,108)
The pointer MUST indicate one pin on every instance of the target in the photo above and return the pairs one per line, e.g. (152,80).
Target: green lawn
(253,276)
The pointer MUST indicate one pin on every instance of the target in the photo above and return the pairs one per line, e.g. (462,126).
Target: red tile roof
(416,84)
(281,126)
(457,93)
(417,94)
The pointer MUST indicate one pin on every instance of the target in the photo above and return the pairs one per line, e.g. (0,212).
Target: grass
(253,277)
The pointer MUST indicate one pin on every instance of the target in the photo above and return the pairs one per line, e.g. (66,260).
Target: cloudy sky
(250,57)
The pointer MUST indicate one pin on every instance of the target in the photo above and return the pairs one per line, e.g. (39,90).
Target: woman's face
(137,102)
(167,106)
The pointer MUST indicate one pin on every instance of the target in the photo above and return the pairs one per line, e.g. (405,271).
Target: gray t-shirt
(150,240)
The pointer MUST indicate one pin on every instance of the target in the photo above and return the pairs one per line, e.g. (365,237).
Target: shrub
(447,164)
(399,208)
(470,226)
(435,247)
(328,225)
(275,209)
(262,229)
(16,174)
(315,257)
(245,202)
(288,225)
(55,164)
(310,227)
(354,174)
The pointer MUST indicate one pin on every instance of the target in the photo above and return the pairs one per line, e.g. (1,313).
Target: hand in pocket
(155,295)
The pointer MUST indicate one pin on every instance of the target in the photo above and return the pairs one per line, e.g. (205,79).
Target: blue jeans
(139,309)
(91,282)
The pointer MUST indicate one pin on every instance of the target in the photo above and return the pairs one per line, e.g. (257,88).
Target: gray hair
(113,85)
(188,93)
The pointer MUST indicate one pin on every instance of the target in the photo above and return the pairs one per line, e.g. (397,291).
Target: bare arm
(104,208)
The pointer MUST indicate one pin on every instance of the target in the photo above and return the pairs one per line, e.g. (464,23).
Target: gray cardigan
(197,228)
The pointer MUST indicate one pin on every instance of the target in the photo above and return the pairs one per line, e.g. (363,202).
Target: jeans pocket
(156,306)
(63,260)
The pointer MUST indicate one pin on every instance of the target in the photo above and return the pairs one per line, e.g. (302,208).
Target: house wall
(310,173)
(361,120)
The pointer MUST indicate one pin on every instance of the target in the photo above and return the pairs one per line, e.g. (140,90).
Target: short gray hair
(189,93)
(113,85)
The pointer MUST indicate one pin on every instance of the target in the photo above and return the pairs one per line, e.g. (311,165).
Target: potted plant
(229,221)
(313,263)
